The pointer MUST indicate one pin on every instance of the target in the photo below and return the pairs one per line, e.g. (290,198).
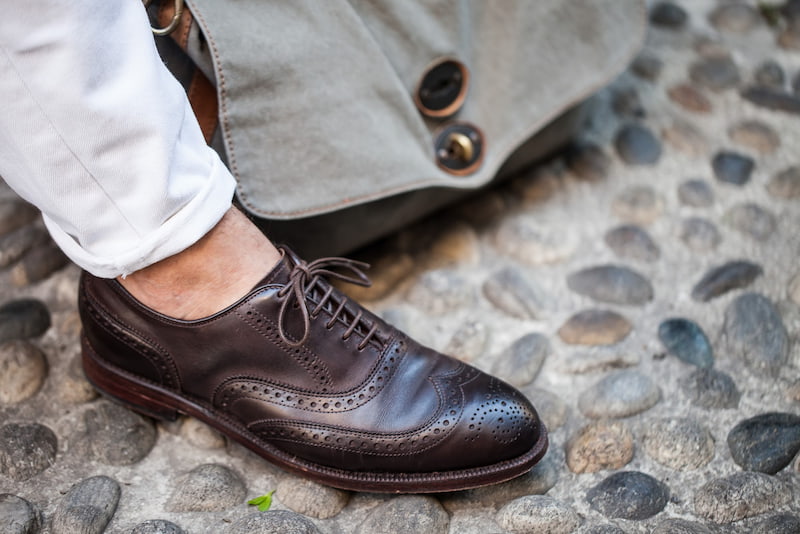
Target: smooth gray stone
(746,494)
(680,526)
(24,368)
(766,443)
(632,242)
(785,184)
(273,522)
(647,67)
(311,498)
(520,363)
(612,283)
(755,135)
(538,513)
(735,18)
(699,234)
(716,73)
(15,214)
(588,161)
(686,340)
(770,74)
(595,327)
(26,449)
(696,193)
(752,220)
(784,523)
(720,280)
(512,292)
(754,332)
(207,488)
(23,319)
(732,168)
(157,526)
(619,394)
(773,99)
(14,245)
(408,513)
(629,495)
(18,516)
(680,443)
(668,15)
(637,145)
(87,507)
(117,435)
(710,389)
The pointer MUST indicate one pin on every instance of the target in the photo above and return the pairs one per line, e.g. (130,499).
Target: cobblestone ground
(643,289)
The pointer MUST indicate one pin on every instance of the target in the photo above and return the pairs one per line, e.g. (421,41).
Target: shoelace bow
(304,277)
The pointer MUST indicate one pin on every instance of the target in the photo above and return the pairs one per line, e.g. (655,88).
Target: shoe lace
(304,277)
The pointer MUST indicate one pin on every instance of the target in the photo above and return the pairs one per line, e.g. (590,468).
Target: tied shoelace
(304,277)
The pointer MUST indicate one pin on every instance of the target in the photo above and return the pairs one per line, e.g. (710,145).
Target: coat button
(459,148)
(442,90)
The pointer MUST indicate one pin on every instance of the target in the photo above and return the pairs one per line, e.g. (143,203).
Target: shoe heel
(132,393)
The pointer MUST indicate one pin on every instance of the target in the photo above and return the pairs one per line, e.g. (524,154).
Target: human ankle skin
(210,275)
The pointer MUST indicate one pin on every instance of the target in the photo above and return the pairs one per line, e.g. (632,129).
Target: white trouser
(97,134)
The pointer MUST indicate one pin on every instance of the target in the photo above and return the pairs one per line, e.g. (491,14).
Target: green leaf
(263,502)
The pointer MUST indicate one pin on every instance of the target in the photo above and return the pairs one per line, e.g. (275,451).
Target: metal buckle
(176,18)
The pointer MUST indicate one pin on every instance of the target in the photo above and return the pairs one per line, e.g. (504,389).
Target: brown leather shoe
(314,383)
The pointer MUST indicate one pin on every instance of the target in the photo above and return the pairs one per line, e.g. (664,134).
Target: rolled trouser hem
(178,232)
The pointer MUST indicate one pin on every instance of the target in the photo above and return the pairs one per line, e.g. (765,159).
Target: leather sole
(150,399)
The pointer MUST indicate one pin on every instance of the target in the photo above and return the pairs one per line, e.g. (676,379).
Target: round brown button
(443,87)
(459,148)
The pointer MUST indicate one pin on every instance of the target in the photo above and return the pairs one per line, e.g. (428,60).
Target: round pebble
(23,319)
(709,47)
(696,193)
(14,245)
(38,264)
(680,526)
(734,17)
(631,242)
(273,522)
(24,369)
(732,168)
(785,184)
(637,145)
(668,15)
(620,394)
(15,214)
(729,276)
(117,436)
(550,407)
(537,481)
(647,66)
(408,513)
(638,205)
(157,526)
(770,74)
(769,98)
(689,98)
(441,291)
(612,283)
(520,363)
(699,234)
(755,135)
(595,327)
(784,523)
(310,498)
(87,508)
(716,73)
(686,340)
(599,445)
(686,138)
(751,220)
(710,389)
(754,333)
(629,495)
(746,494)
(26,449)
(679,443)
(766,443)
(207,488)
(18,516)
(538,514)
(533,243)
(469,341)
(514,293)
(201,435)
(588,162)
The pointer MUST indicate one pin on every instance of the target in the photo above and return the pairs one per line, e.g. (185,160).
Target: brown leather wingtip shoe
(314,383)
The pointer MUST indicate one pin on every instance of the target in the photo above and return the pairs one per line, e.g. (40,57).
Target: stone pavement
(643,290)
